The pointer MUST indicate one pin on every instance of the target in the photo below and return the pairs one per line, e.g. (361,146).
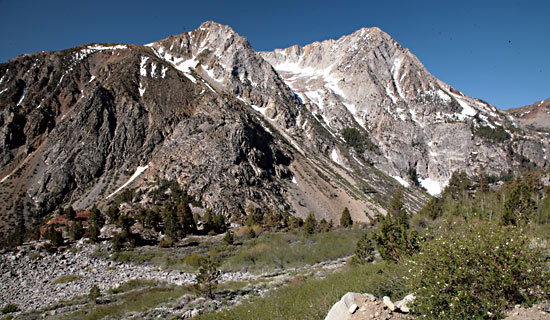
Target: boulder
(388,303)
(402,305)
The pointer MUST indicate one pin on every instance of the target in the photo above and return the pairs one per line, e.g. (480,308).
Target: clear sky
(498,51)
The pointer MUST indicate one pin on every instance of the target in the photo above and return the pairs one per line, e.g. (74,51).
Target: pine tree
(310,224)
(171,225)
(185,218)
(392,237)
(153,218)
(113,213)
(208,277)
(323,226)
(95,223)
(208,220)
(77,231)
(55,236)
(519,205)
(71,214)
(219,223)
(364,250)
(345,219)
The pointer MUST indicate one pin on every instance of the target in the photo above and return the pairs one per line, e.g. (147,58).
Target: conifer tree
(345,219)
(364,250)
(392,236)
(310,224)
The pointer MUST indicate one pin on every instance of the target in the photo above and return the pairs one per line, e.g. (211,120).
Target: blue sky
(498,51)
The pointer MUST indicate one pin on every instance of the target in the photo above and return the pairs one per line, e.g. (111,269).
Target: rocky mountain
(536,115)
(304,129)
(419,123)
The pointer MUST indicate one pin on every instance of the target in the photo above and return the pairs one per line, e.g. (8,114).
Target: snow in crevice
(414,118)
(181,64)
(92,78)
(163,72)
(401,181)
(395,71)
(136,174)
(4,77)
(141,89)
(4,90)
(22,96)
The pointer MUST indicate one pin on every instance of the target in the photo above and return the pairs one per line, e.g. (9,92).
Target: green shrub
(67,278)
(9,308)
(94,293)
(477,273)
(498,134)
(194,260)
(229,238)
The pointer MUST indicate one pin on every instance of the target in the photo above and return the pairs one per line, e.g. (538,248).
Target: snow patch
(101,48)
(293,180)
(401,181)
(92,79)
(443,96)
(163,72)
(142,65)
(139,171)
(433,187)
(335,157)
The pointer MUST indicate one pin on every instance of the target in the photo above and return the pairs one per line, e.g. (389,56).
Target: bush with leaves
(208,277)
(477,273)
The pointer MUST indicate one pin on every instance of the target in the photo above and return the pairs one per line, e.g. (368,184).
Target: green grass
(132,285)
(133,301)
(272,251)
(311,299)
(67,278)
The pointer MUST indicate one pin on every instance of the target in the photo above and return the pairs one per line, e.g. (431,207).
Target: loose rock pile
(27,277)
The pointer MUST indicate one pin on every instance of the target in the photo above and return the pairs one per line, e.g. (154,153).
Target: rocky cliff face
(421,124)
(239,128)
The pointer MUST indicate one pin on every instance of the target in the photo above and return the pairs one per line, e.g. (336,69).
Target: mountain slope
(419,123)
(200,108)
(536,115)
